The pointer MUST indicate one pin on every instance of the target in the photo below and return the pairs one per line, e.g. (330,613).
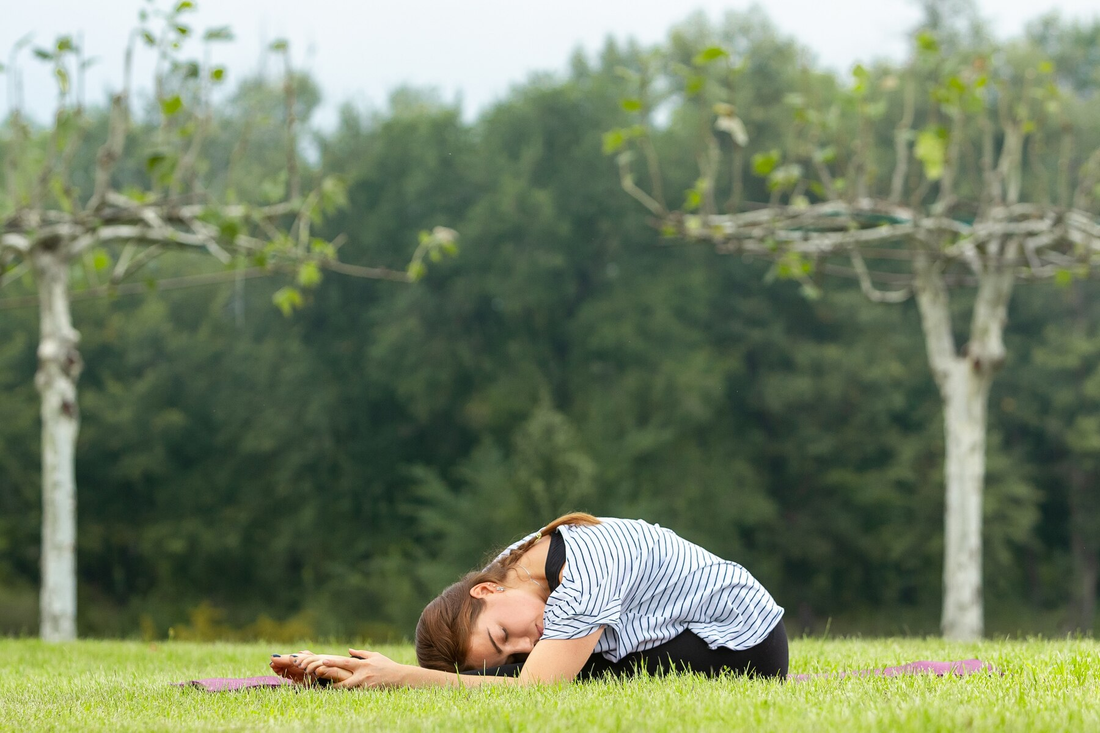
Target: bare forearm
(413,676)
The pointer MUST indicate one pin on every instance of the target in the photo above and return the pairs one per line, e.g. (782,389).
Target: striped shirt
(646,585)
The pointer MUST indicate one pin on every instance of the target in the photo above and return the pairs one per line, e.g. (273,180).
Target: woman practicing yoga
(580,598)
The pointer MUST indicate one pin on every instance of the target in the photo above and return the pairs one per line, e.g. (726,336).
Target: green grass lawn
(1047,685)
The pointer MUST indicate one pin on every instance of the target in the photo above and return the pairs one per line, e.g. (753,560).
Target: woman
(580,598)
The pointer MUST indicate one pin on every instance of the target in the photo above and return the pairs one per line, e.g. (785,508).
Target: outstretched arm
(551,660)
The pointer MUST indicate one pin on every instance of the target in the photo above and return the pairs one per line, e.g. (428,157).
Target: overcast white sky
(469,49)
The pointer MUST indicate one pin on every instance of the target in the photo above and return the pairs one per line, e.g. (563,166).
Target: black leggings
(686,653)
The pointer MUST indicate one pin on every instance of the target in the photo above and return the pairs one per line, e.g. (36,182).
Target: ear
(484,590)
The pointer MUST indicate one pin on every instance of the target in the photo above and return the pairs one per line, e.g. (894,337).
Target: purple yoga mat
(940,669)
(232,684)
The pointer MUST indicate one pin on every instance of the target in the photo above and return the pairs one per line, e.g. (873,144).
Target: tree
(59,218)
(969,203)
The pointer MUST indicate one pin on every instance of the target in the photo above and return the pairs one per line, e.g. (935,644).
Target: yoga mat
(940,669)
(960,668)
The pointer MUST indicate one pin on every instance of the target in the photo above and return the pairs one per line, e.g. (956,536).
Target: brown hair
(443,632)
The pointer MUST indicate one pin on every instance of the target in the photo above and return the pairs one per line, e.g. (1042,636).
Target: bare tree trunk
(965,401)
(59,366)
(964,381)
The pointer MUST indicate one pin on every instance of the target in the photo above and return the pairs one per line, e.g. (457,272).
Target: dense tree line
(341,466)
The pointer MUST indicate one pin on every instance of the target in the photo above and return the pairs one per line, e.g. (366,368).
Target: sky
(470,50)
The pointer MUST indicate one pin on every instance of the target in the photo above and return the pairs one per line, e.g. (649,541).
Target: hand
(293,667)
(362,669)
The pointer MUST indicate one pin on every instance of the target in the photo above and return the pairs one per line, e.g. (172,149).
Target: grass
(109,685)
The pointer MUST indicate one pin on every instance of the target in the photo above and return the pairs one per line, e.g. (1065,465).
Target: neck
(530,568)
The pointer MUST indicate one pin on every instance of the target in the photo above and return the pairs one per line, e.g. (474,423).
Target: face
(509,625)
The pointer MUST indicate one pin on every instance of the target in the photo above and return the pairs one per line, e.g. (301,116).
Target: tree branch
(869,290)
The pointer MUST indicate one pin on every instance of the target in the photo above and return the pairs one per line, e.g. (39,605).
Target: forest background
(242,474)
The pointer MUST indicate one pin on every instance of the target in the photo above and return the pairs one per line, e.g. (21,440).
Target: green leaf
(154,161)
(279,46)
(927,42)
(183,30)
(321,248)
(150,40)
(229,229)
(1063,278)
(309,275)
(43,54)
(185,5)
(693,200)
(613,140)
(695,84)
(709,54)
(765,163)
(65,43)
(217,73)
(632,105)
(220,33)
(62,79)
(171,106)
(1046,67)
(931,151)
(100,260)
(286,299)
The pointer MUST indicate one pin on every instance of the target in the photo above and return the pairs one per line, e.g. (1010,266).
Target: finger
(284,667)
(285,671)
(359,653)
(318,661)
(333,674)
(350,665)
(301,661)
(350,683)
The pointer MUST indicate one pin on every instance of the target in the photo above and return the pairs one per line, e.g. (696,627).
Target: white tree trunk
(59,366)
(964,381)
(965,400)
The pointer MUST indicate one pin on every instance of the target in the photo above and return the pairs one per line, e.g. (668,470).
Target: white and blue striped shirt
(646,585)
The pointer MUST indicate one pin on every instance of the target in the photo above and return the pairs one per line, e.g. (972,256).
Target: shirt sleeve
(574,611)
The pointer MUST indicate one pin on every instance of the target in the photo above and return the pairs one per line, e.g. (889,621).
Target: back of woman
(646,585)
